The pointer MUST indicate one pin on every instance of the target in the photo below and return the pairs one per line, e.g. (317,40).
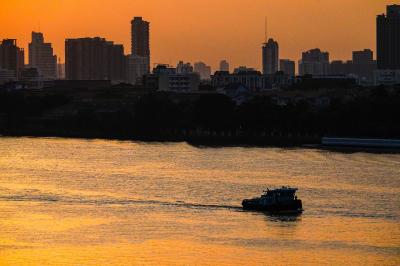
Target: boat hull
(294,206)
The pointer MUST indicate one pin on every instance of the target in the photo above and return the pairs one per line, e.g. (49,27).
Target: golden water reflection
(76,202)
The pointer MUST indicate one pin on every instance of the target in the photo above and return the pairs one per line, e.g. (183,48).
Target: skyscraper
(270,57)
(94,59)
(224,66)
(140,34)
(41,57)
(388,38)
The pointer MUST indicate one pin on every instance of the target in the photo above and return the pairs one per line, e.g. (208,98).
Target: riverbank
(210,118)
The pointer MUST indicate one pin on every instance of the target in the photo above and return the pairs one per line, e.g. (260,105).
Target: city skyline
(181,39)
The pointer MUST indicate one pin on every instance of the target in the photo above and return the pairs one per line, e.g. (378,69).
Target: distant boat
(355,142)
(281,200)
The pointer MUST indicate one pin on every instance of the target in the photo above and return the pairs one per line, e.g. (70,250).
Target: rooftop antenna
(266,30)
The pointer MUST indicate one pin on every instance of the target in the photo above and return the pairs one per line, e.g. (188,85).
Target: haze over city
(204,30)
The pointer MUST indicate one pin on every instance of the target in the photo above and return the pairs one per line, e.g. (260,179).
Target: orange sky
(207,30)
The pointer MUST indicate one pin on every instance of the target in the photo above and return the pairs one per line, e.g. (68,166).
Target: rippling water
(96,202)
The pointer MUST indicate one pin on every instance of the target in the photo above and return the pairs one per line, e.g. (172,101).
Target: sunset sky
(207,30)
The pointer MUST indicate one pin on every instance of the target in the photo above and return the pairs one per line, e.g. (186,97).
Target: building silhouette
(314,62)
(340,68)
(363,65)
(140,40)
(388,38)
(270,57)
(136,67)
(41,57)
(183,68)
(203,70)
(241,69)
(94,59)
(248,78)
(224,66)
(165,78)
(12,58)
(288,67)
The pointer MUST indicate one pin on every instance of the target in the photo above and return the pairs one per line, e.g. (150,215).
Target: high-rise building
(270,57)
(41,57)
(94,59)
(11,57)
(203,70)
(388,38)
(314,62)
(140,34)
(288,67)
(224,66)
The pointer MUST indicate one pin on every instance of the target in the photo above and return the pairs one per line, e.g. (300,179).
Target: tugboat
(281,200)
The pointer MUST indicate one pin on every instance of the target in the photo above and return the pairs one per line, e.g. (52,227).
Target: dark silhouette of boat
(282,200)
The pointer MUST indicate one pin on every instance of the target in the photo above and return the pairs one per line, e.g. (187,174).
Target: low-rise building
(183,68)
(165,78)
(203,70)
(386,77)
(288,67)
(6,76)
(253,80)
(136,68)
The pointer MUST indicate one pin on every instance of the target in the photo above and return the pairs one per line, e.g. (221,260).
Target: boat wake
(37,196)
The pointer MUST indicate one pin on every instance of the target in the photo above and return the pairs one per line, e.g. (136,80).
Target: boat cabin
(286,193)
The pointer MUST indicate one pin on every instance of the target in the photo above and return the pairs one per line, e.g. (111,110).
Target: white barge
(363,143)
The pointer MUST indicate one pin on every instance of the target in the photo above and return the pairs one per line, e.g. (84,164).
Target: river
(101,202)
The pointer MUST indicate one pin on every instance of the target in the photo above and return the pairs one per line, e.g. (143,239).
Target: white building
(41,57)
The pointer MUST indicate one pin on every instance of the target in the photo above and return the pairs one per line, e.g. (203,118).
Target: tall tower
(140,33)
(270,57)
(388,38)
